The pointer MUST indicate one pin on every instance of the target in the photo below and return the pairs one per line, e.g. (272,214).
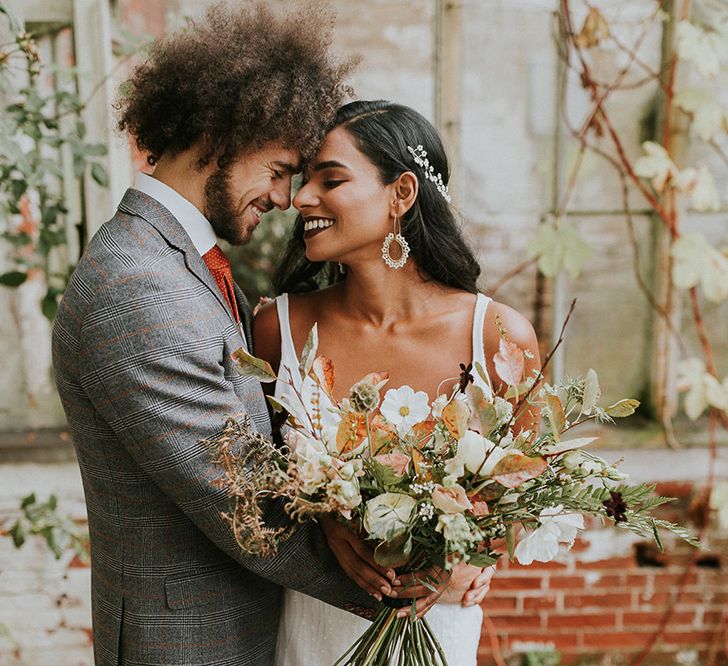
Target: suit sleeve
(152,366)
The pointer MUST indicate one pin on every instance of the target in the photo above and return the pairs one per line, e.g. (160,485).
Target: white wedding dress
(313,633)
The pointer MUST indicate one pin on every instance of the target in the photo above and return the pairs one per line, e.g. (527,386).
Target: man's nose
(281,196)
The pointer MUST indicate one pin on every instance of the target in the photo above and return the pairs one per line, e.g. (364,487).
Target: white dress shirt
(196,225)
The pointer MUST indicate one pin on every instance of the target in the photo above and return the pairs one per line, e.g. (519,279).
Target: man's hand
(357,559)
(424,587)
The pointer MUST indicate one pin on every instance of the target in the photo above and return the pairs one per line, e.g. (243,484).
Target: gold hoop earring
(395,237)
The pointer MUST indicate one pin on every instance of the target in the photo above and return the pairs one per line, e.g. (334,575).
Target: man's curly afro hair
(241,78)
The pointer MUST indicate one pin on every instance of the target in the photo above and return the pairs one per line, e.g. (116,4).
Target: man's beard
(220,209)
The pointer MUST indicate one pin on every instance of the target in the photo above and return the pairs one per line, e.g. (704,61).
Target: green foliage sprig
(39,129)
(60,532)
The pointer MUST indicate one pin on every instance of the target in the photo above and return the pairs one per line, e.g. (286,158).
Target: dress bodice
(289,358)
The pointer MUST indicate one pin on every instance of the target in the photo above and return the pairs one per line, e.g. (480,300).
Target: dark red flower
(465,376)
(615,506)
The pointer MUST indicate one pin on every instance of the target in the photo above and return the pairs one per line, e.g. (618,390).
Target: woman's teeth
(320,223)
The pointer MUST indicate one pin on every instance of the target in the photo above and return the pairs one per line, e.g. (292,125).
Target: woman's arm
(519,331)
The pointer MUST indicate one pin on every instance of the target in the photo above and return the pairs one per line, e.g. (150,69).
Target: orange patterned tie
(219,266)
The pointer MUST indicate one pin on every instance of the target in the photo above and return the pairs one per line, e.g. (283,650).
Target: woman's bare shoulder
(267,334)
(310,302)
(502,317)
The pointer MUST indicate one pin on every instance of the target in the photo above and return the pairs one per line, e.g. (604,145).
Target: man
(227,110)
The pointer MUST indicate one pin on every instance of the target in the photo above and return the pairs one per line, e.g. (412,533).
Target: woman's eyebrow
(328,164)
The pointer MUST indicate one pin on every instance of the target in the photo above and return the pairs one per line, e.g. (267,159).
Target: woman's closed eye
(331,183)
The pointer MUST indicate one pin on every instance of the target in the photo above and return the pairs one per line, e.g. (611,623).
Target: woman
(405,301)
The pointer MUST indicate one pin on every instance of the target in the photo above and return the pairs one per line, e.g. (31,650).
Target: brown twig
(719,150)
(544,365)
(493,637)
(599,112)
(524,265)
(702,333)
(690,568)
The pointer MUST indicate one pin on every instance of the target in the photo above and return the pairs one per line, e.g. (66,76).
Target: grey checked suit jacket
(141,352)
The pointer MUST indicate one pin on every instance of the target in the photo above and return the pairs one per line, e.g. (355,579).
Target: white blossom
(403,408)
(387,515)
(542,545)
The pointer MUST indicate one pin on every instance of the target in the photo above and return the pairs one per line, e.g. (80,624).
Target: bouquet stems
(395,641)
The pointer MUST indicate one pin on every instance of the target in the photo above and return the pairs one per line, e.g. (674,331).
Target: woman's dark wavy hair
(242,77)
(382,131)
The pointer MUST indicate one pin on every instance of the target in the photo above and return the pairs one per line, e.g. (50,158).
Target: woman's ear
(405,193)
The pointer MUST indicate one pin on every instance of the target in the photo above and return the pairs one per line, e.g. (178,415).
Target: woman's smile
(313,226)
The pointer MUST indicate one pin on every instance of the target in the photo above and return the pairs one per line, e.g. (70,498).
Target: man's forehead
(282,157)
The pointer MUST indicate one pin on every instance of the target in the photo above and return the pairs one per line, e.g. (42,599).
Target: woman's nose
(304,197)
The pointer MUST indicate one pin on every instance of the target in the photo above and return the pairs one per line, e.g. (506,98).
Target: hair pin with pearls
(420,156)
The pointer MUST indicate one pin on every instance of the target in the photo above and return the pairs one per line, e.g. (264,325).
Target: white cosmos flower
(542,544)
(563,525)
(387,515)
(403,408)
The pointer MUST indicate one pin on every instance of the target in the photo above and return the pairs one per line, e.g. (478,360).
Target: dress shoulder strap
(481,307)
(289,359)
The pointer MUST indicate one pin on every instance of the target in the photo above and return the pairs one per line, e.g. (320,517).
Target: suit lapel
(139,204)
(246,316)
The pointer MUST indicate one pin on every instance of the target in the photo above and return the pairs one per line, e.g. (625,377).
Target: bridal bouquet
(432,484)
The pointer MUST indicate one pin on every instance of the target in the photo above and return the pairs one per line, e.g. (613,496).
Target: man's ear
(405,193)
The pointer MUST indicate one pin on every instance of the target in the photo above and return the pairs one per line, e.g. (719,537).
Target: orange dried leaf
(352,430)
(510,362)
(456,417)
(594,30)
(485,411)
(377,379)
(422,433)
(323,371)
(556,416)
(512,470)
(418,460)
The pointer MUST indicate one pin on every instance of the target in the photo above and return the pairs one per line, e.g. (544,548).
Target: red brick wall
(611,608)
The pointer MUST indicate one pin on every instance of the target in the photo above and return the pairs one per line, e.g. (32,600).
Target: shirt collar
(196,225)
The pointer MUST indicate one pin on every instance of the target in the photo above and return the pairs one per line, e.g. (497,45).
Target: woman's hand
(464,584)
(468,585)
(478,588)
(357,559)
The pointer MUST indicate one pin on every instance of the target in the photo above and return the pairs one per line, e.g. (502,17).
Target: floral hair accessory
(420,156)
